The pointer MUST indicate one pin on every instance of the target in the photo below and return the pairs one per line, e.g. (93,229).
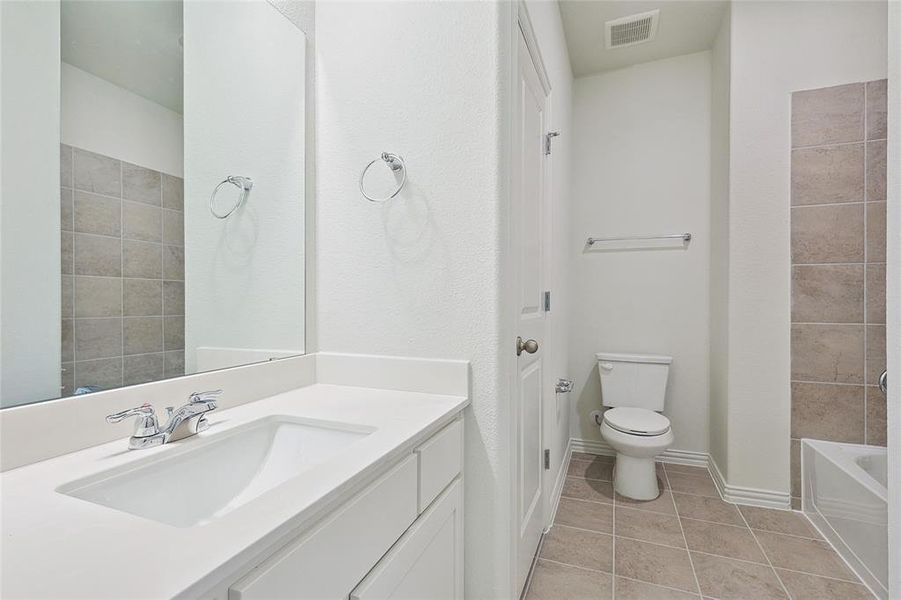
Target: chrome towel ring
(245,184)
(395,163)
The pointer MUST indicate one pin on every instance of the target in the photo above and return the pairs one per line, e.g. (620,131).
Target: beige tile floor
(688,543)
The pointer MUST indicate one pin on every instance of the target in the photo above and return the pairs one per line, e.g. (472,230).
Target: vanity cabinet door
(327,563)
(427,562)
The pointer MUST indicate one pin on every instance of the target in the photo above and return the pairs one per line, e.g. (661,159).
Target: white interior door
(528,291)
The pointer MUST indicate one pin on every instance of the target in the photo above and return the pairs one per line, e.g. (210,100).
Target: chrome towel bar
(685,237)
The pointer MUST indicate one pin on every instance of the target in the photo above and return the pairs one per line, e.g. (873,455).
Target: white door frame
(893,298)
(522,25)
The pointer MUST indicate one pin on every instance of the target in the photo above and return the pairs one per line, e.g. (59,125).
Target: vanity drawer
(330,560)
(440,460)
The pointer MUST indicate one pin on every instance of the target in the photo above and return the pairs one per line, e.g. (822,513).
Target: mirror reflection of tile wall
(838,233)
(122,272)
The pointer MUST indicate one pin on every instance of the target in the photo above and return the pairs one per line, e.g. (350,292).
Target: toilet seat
(637,421)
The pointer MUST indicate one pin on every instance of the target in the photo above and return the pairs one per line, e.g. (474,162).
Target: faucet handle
(209,396)
(146,425)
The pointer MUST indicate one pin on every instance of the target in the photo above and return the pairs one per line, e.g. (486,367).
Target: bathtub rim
(842,454)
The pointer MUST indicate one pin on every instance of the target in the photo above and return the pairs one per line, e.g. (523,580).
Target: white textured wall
(418,276)
(777,48)
(244,276)
(719,244)
(641,165)
(102,117)
(29,202)
(548,26)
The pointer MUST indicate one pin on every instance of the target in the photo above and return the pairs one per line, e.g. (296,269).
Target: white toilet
(634,387)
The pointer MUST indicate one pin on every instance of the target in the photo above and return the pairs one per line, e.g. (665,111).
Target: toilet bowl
(637,435)
(633,387)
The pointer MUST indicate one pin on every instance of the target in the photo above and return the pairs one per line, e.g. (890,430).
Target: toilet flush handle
(606,366)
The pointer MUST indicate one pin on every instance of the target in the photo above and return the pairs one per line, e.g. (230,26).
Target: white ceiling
(685,26)
(131,43)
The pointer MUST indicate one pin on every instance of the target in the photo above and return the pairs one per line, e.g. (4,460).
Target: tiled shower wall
(122,272)
(838,233)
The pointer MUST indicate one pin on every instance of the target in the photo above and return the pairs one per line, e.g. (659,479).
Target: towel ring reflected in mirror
(245,184)
(395,163)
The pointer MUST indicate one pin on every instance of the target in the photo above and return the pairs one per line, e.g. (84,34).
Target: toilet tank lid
(634,358)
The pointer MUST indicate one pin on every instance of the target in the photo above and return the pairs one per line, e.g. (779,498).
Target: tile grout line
(866,255)
(765,555)
(691,561)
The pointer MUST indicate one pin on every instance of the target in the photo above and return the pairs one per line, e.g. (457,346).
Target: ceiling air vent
(631,30)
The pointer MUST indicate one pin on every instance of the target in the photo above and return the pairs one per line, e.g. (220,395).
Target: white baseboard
(558,486)
(672,456)
(748,496)
(730,493)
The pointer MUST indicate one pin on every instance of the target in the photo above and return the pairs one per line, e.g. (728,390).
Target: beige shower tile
(877,109)
(649,527)
(827,293)
(728,579)
(174,263)
(827,353)
(827,234)
(67,297)
(96,173)
(875,353)
(827,412)
(98,296)
(588,489)
(707,508)
(66,209)
(143,297)
(142,222)
(779,521)
(722,540)
(174,363)
(877,432)
(554,581)
(142,259)
(876,231)
(800,554)
(174,333)
(141,185)
(97,214)
(67,252)
(585,514)
(65,166)
(105,373)
(98,338)
(651,563)
(98,255)
(876,293)
(876,171)
(173,298)
(142,368)
(143,335)
(173,227)
(173,192)
(67,340)
(827,175)
(579,547)
(828,115)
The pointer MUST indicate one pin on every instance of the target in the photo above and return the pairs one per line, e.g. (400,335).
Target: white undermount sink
(202,482)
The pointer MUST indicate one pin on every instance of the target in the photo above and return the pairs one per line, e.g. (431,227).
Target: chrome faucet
(183,422)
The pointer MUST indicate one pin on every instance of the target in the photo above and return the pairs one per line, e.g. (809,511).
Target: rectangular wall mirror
(152,192)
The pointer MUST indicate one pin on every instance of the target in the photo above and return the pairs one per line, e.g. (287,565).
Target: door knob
(530,346)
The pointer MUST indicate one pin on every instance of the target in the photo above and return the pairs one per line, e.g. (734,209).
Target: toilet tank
(636,380)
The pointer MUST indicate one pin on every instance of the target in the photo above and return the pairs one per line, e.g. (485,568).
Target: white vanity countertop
(58,546)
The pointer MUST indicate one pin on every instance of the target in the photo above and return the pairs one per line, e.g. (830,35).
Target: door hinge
(547,302)
(547,459)
(547,140)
